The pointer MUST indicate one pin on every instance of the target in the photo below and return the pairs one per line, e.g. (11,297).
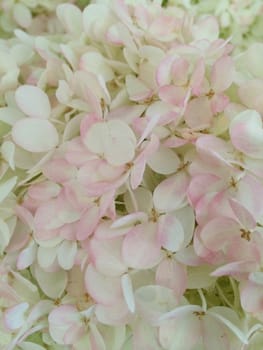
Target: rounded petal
(170,194)
(141,249)
(173,275)
(170,232)
(104,289)
(66,254)
(35,135)
(106,256)
(246,133)
(52,284)
(250,93)
(253,59)
(198,113)
(60,320)
(222,74)
(14,317)
(71,17)
(33,101)
(26,257)
(164,161)
(181,330)
(114,140)
(22,15)
(206,28)
(153,301)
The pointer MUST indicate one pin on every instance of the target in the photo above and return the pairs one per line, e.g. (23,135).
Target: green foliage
(83,3)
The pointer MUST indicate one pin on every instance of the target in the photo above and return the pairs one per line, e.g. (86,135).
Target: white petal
(95,63)
(137,90)
(71,17)
(127,290)
(14,316)
(4,235)
(33,101)
(46,256)
(114,140)
(10,115)
(22,15)
(6,187)
(35,135)
(8,152)
(66,254)
(164,161)
(52,284)
(26,257)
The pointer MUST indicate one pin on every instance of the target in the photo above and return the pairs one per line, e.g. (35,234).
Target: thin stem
(203,300)
(236,293)
(223,297)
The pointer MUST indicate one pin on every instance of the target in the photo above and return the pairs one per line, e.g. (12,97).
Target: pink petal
(87,223)
(105,290)
(222,74)
(173,275)
(114,315)
(141,249)
(246,133)
(237,269)
(59,170)
(33,101)
(174,95)
(197,77)
(251,297)
(180,71)
(219,232)
(198,114)
(60,320)
(106,256)
(218,103)
(74,334)
(243,215)
(170,194)
(43,191)
(163,75)
(170,232)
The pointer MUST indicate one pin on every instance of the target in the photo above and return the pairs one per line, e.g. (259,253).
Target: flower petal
(33,101)
(35,135)
(247,134)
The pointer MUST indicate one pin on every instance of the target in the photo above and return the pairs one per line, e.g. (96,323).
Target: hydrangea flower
(131,189)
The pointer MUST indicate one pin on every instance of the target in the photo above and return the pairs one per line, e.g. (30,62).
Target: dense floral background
(131,175)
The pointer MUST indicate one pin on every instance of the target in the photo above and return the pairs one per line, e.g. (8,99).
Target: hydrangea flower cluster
(131,178)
